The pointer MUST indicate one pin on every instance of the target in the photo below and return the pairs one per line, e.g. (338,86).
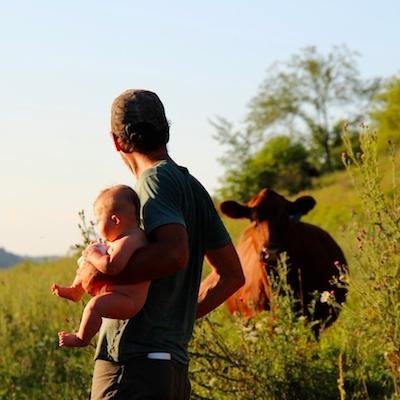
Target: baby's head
(117,211)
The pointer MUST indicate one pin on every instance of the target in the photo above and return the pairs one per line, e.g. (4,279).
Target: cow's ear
(302,205)
(235,210)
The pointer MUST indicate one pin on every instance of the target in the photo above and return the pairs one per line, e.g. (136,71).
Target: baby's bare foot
(70,293)
(70,340)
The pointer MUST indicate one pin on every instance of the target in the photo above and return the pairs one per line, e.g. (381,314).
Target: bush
(373,323)
(274,356)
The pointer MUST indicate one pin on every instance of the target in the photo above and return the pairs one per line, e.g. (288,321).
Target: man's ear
(116,142)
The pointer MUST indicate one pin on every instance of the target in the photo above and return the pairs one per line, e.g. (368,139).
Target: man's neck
(139,162)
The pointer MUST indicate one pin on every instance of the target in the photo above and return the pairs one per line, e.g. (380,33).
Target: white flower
(325,296)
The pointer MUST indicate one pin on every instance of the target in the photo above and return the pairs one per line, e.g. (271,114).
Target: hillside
(339,204)
(336,199)
(8,259)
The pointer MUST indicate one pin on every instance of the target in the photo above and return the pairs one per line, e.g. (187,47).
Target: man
(146,357)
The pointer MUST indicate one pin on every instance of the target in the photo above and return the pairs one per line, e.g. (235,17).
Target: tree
(306,94)
(282,164)
(385,113)
(239,146)
(307,97)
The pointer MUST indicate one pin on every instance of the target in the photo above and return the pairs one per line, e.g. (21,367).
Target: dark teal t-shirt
(169,195)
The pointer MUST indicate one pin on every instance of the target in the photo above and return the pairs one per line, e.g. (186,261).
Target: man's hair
(138,121)
(117,197)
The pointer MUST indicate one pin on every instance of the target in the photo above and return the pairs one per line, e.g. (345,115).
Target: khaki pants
(140,378)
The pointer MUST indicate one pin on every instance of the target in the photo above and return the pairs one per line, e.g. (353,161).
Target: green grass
(31,364)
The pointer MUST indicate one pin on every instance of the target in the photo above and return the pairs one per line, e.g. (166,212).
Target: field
(267,358)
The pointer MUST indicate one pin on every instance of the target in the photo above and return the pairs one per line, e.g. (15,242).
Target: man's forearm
(145,266)
(214,290)
(224,280)
(167,254)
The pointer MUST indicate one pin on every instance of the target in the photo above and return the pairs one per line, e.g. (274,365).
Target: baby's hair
(119,196)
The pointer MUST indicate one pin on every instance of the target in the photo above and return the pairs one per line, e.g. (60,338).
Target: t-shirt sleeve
(160,202)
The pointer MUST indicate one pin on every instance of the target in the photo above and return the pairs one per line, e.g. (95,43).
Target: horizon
(64,64)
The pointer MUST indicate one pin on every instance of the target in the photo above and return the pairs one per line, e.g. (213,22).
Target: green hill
(336,199)
(8,259)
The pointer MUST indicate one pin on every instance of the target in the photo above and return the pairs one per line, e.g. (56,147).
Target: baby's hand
(97,248)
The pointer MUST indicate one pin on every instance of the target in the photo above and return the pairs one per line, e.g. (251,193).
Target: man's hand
(224,280)
(166,254)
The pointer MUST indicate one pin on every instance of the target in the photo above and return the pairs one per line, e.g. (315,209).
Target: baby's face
(106,222)
(112,224)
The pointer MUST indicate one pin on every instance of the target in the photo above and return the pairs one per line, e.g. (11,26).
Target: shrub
(273,356)
(373,323)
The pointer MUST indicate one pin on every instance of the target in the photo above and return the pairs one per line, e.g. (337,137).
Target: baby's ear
(115,219)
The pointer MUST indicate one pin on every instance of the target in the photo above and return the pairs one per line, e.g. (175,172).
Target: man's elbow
(112,271)
(238,278)
(180,260)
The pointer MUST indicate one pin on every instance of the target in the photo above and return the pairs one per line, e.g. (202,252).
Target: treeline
(293,129)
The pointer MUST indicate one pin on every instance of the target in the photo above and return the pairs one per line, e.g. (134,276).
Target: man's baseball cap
(137,106)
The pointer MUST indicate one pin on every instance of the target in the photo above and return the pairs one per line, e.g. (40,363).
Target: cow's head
(272,209)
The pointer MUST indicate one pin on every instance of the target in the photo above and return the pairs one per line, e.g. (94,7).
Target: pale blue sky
(62,63)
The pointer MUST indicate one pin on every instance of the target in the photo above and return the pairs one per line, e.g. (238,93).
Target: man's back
(169,195)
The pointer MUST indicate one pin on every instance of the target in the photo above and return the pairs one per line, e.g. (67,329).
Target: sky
(62,64)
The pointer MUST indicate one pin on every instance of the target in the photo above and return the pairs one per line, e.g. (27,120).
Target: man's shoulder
(163,167)
(164,171)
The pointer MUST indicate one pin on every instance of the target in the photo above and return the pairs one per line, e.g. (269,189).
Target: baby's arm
(122,250)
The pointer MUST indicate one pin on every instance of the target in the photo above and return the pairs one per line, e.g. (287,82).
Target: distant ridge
(8,259)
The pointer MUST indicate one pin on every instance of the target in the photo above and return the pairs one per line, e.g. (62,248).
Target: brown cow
(275,228)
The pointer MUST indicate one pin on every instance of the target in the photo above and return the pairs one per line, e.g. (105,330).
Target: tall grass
(373,320)
(31,364)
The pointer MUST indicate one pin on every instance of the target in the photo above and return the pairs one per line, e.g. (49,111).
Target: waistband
(159,356)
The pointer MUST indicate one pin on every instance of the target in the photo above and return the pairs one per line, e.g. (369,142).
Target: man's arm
(224,280)
(166,254)
(122,250)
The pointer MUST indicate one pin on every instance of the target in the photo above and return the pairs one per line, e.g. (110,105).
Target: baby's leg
(107,305)
(74,292)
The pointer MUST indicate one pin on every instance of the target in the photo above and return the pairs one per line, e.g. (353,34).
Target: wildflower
(324,297)
(278,330)
(327,297)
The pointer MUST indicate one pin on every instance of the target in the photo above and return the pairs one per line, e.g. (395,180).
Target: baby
(117,213)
